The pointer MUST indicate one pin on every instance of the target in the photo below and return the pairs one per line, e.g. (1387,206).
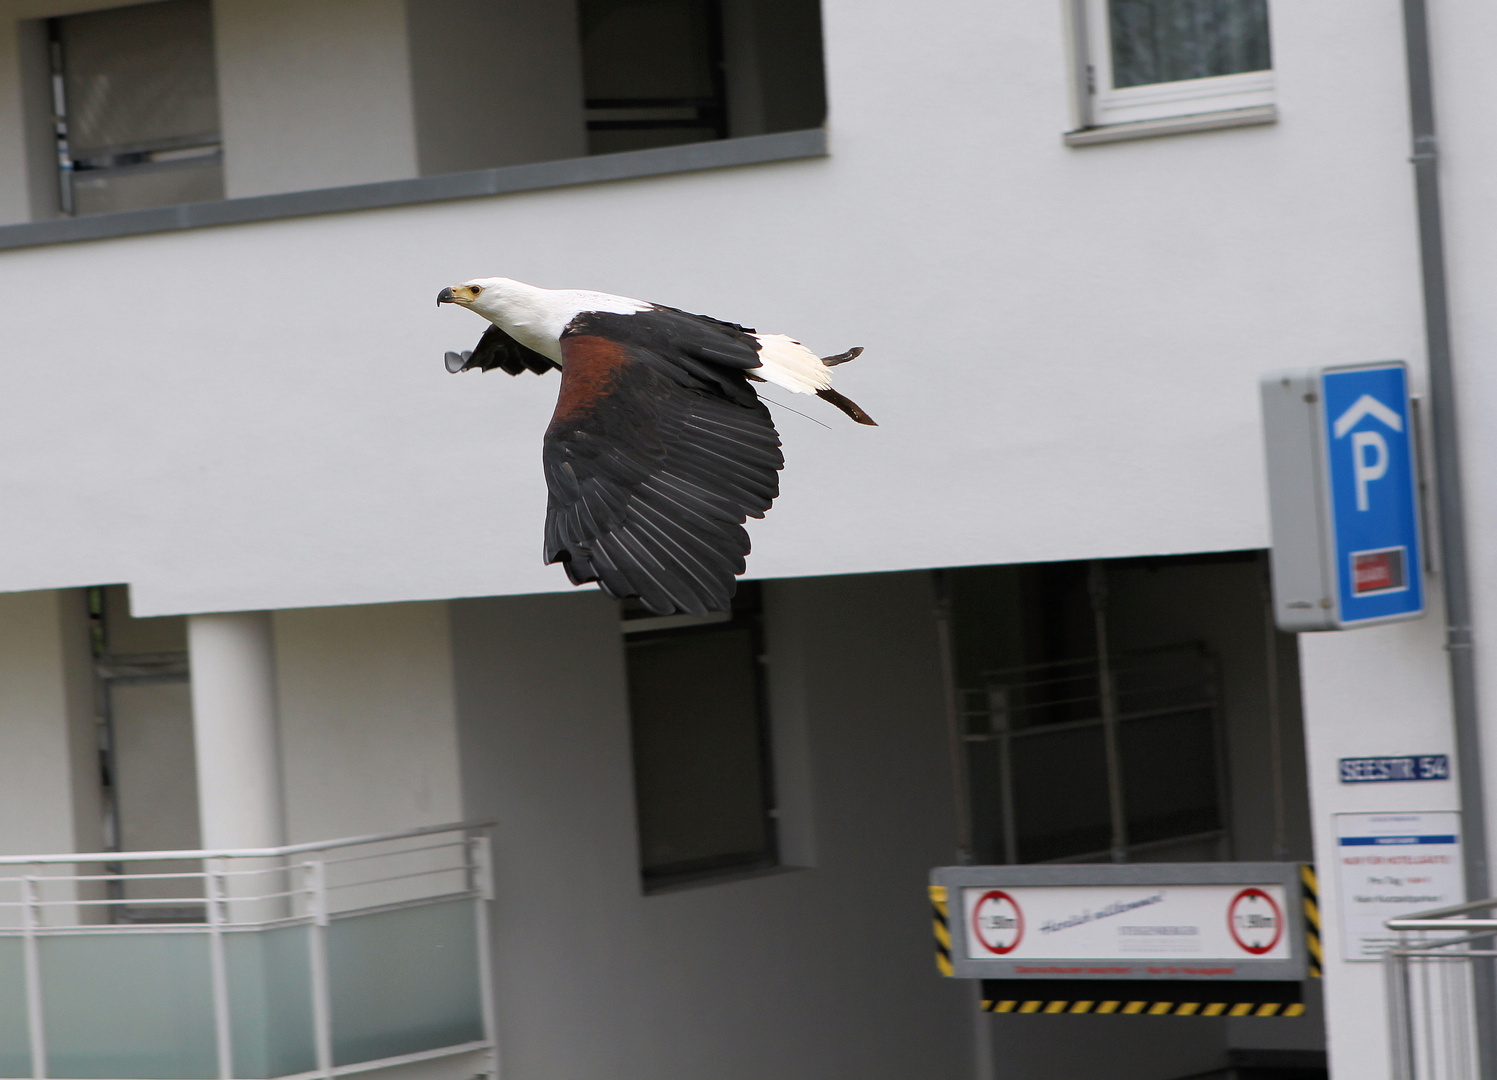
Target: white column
(236,730)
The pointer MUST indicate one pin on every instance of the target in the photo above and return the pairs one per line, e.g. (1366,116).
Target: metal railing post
(1108,702)
(322,1012)
(1400,1014)
(222,1029)
(36,1031)
(483,886)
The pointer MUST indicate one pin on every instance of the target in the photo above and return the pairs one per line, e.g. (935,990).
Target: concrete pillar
(235,728)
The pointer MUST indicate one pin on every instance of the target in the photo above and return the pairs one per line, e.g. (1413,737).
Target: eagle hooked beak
(457,294)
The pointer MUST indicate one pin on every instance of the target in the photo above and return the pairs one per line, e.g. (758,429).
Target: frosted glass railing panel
(15,1050)
(270,1002)
(403,981)
(128,1006)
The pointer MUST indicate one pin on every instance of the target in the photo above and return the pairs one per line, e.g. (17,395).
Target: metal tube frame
(36,1030)
(1107,700)
(1453,554)
(218,961)
(322,1006)
(476,866)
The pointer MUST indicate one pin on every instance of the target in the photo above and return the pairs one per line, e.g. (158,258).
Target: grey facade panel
(693,157)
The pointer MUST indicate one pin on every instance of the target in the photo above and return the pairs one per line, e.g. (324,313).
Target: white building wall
(368,725)
(1062,351)
(1056,337)
(823,972)
(495,82)
(1381,691)
(313,93)
(49,767)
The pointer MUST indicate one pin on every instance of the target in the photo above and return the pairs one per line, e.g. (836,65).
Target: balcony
(312,960)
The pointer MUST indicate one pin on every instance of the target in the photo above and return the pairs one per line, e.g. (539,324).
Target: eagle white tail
(788,363)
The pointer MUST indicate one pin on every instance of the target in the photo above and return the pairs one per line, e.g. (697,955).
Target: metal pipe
(322,1002)
(481,882)
(961,790)
(1275,716)
(1107,700)
(1453,556)
(36,1028)
(223,1025)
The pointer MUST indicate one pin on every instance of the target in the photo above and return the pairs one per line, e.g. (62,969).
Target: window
(653,73)
(1157,59)
(702,785)
(136,101)
(663,72)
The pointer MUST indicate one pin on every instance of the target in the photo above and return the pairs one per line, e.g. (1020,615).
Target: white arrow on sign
(1366,405)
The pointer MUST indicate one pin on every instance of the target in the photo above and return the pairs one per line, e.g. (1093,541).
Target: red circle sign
(997,922)
(1255,921)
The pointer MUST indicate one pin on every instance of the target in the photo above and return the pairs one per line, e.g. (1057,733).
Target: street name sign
(1378,770)
(1343,480)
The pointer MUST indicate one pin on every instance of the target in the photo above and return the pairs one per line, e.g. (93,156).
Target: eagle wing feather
(657,453)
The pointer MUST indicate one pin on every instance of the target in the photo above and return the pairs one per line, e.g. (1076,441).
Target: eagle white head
(532,316)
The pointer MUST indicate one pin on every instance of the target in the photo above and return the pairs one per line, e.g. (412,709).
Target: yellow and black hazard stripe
(942,930)
(1147,1008)
(1141,997)
(1311,897)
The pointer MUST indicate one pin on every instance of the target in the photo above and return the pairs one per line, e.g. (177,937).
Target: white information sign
(1391,866)
(1193,923)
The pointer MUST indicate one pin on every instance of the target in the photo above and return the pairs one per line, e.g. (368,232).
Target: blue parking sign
(1369,450)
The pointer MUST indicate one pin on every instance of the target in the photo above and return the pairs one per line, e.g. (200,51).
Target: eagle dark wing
(496,349)
(656,454)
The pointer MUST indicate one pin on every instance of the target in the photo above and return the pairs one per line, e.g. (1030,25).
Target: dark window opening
(1158,41)
(147,759)
(664,72)
(653,73)
(1099,701)
(702,783)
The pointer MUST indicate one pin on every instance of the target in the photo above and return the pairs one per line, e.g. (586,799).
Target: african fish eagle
(659,447)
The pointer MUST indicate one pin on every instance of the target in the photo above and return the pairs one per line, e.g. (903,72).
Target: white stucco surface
(49,784)
(368,727)
(1061,344)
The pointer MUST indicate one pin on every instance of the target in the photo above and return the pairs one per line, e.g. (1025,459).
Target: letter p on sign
(1368,467)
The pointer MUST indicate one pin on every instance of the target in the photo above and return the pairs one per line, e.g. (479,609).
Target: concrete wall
(822,972)
(368,728)
(313,93)
(495,82)
(49,771)
(50,792)
(1056,337)
(1367,692)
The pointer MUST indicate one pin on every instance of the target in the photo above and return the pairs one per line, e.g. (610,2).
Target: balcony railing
(1432,1010)
(310,960)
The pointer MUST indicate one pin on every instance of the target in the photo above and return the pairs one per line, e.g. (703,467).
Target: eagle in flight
(659,448)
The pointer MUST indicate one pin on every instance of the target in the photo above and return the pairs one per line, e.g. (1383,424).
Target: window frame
(1247,96)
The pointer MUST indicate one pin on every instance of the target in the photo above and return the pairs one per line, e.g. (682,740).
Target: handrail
(241,853)
(1438,918)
